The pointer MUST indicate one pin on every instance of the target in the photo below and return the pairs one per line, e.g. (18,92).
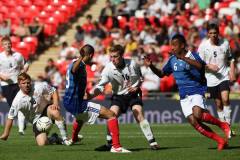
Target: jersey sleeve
(21,61)
(13,111)
(198,58)
(103,80)
(167,68)
(137,68)
(230,55)
(201,51)
(47,89)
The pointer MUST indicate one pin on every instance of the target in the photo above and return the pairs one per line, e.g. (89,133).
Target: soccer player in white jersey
(125,78)
(216,53)
(188,70)
(33,101)
(12,63)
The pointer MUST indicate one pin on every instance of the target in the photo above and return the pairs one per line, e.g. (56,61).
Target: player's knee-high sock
(221,116)
(146,129)
(207,117)
(114,131)
(227,114)
(21,121)
(62,128)
(208,133)
(75,130)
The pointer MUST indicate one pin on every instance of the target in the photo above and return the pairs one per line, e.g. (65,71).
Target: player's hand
(132,89)
(213,67)
(147,60)
(54,107)
(4,77)
(4,137)
(87,96)
(232,76)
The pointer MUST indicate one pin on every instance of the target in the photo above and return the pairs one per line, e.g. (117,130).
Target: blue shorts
(75,107)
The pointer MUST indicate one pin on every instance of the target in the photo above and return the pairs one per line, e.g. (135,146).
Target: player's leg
(21,123)
(216,95)
(202,114)
(107,147)
(41,137)
(77,125)
(94,111)
(60,122)
(193,108)
(206,131)
(145,126)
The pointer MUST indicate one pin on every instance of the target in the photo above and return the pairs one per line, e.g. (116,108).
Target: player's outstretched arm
(7,129)
(94,93)
(232,74)
(155,70)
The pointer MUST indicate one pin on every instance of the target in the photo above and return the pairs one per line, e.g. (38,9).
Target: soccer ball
(44,124)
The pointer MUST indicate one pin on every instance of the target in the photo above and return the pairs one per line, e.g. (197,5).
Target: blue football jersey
(75,89)
(189,79)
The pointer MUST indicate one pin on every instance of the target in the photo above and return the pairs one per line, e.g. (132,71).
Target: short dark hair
(86,50)
(6,38)
(23,76)
(180,38)
(212,26)
(117,48)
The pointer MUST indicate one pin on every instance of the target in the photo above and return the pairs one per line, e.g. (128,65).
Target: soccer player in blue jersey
(75,97)
(188,70)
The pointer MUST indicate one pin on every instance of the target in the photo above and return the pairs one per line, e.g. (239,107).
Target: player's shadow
(145,149)
(161,148)
(228,148)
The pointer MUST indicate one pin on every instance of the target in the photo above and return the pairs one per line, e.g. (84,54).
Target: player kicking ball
(188,70)
(83,110)
(32,101)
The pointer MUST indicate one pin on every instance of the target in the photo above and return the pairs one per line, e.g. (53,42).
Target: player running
(216,53)
(188,70)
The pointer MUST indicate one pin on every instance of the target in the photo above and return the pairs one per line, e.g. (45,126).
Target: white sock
(221,116)
(21,122)
(146,129)
(227,114)
(62,128)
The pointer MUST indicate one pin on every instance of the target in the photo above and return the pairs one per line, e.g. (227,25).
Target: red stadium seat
(65,10)
(50,27)
(122,21)
(57,15)
(4,11)
(49,9)
(24,49)
(43,16)
(32,42)
(15,40)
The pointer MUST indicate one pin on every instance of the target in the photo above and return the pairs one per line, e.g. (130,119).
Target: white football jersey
(217,55)
(11,66)
(32,106)
(120,79)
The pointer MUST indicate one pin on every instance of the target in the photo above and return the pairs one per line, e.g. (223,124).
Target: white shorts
(190,101)
(90,114)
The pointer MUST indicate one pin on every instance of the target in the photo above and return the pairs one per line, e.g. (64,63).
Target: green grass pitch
(177,141)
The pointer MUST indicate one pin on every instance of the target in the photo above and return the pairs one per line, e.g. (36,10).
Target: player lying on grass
(188,70)
(82,109)
(32,100)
